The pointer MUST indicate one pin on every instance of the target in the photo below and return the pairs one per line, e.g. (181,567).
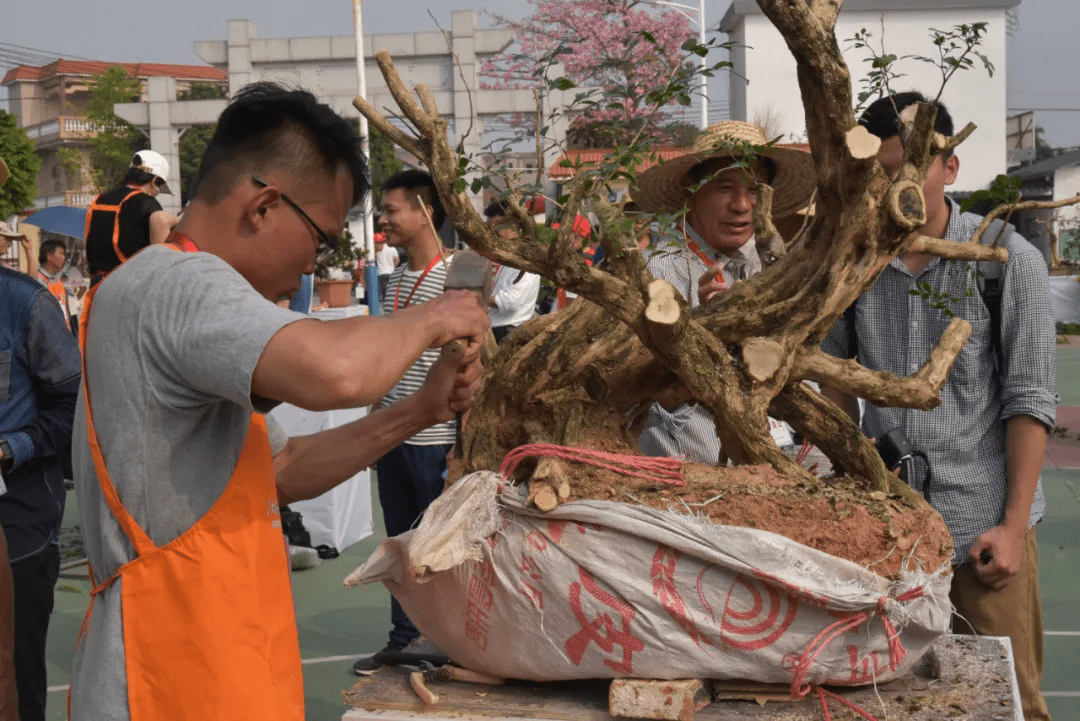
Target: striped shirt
(964,437)
(689,431)
(400,286)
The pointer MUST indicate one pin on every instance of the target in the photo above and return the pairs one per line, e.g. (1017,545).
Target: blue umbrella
(60,219)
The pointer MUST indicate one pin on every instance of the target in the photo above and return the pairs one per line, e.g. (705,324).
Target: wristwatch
(7,458)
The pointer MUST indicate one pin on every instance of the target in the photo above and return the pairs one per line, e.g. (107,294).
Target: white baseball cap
(154,163)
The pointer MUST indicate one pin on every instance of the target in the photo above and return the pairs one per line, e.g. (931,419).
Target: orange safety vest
(208,621)
(56,287)
(115,210)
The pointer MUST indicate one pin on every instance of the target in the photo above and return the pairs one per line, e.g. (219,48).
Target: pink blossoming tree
(629,48)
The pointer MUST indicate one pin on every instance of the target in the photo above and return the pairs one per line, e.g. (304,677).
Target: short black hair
(137,176)
(270,128)
(882,117)
(415,182)
(497,208)
(48,247)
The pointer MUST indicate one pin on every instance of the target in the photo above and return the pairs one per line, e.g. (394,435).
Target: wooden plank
(964,677)
(389,690)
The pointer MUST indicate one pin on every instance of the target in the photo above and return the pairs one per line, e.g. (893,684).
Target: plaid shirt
(689,431)
(964,437)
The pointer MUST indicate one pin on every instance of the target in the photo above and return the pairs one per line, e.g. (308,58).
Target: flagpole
(371,274)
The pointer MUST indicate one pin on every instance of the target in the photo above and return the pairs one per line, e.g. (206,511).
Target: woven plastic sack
(600,589)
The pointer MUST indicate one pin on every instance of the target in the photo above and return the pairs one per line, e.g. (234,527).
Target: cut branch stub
(763,358)
(862,144)
(907,205)
(663,308)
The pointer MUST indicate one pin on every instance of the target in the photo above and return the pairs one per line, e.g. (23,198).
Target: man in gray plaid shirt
(985,442)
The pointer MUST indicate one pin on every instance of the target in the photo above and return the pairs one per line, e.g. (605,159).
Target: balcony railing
(62,128)
(71,198)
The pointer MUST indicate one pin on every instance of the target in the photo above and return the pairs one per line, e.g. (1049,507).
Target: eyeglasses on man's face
(328,244)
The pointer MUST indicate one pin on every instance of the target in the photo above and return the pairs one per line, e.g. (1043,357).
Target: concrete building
(447,63)
(770,90)
(49,100)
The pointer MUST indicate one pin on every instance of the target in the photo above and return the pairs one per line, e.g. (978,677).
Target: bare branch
(401,94)
(1026,205)
(956,251)
(951,144)
(406,141)
(880,387)
(427,100)
(539,137)
(770,245)
(429,103)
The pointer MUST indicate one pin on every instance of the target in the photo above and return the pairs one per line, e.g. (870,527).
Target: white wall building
(770,89)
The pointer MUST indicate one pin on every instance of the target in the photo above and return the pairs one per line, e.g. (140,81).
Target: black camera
(894,448)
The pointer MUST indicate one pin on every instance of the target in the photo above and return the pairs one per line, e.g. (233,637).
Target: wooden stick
(431,224)
(416,680)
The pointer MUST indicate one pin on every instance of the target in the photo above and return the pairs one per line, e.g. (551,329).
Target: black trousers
(501,331)
(410,478)
(34,580)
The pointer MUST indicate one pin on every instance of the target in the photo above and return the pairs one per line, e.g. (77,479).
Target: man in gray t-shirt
(183,348)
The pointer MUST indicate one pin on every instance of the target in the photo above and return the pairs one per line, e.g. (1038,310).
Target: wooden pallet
(963,677)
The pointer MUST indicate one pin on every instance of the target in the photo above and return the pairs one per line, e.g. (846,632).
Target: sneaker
(367,664)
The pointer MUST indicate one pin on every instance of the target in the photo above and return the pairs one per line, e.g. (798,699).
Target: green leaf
(563,84)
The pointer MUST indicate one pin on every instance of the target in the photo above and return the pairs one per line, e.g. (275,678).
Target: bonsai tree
(586,376)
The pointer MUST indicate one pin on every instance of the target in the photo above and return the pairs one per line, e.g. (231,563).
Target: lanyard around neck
(416,285)
(182,242)
(696,250)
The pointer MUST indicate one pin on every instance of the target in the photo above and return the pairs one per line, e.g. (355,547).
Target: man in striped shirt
(712,248)
(411,476)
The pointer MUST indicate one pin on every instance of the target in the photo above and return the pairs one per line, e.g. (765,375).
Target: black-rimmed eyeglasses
(328,245)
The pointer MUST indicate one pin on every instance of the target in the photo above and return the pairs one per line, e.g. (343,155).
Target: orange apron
(208,620)
(57,289)
(115,210)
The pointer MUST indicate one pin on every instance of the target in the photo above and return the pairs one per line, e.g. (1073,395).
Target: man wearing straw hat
(711,247)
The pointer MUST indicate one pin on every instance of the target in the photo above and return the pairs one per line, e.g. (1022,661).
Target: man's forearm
(1025,447)
(309,466)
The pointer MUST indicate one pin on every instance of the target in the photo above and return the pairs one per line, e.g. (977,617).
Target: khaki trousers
(1014,611)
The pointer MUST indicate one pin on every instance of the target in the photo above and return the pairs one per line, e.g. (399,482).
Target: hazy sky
(1042,53)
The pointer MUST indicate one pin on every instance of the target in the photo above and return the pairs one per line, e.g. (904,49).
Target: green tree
(383,160)
(194,140)
(116,141)
(17,150)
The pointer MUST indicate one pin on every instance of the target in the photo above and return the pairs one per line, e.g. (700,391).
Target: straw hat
(666,187)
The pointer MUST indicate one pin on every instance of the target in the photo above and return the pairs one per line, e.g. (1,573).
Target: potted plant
(334,277)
